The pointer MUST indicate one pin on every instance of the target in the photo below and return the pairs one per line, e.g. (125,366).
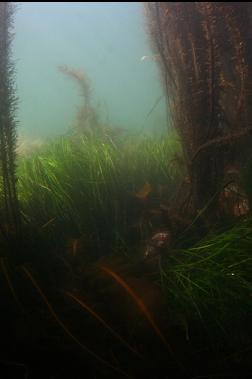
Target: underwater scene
(125,190)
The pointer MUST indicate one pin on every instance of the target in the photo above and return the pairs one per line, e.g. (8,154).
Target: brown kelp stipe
(139,303)
(9,283)
(66,330)
(102,321)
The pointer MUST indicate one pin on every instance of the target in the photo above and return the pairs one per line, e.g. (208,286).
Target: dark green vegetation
(88,209)
(87,187)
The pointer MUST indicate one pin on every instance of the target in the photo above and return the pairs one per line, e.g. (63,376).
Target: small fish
(161,239)
(233,170)
(167,11)
(188,179)
(48,223)
(157,243)
(183,322)
(144,192)
(234,201)
(155,211)
(224,83)
(151,252)
(164,207)
(148,57)
(73,246)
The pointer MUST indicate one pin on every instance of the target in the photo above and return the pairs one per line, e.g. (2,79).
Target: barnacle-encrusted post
(10,218)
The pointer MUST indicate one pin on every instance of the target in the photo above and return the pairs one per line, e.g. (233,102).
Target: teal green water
(106,41)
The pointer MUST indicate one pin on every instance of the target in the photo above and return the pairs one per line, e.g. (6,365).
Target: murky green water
(104,40)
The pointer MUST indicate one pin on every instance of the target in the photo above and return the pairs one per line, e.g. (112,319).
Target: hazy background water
(107,41)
